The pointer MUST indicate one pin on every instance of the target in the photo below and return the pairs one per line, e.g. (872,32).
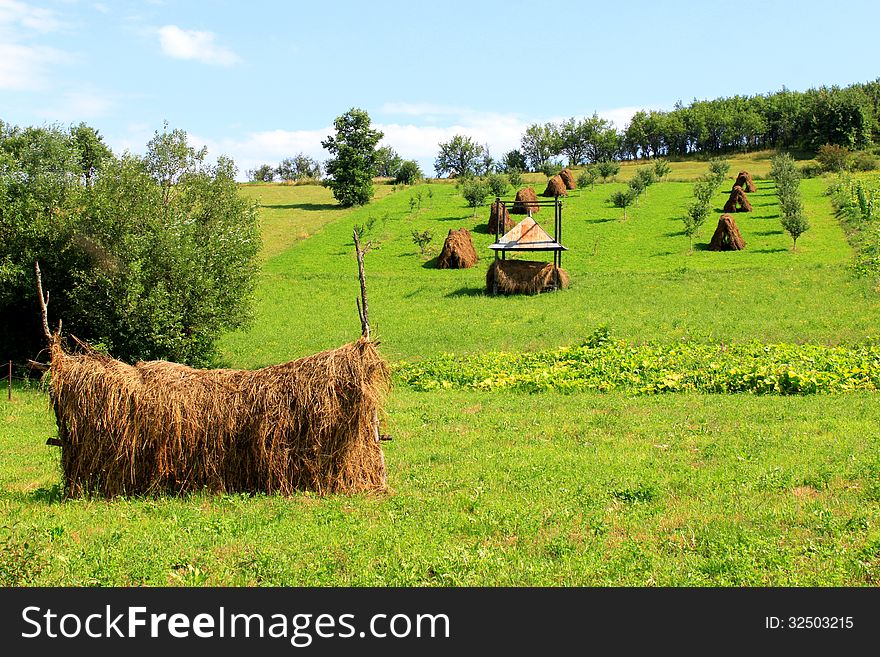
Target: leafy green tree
(638,186)
(460,156)
(832,157)
(497,184)
(718,169)
(422,239)
(785,173)
(263,173)
(93,152)
(623,199)
(388,162)
(539,144)
(408,173)
(353,163)
(693,220)
(474,192)
(646,176)
(513,161)
(298,167)
(662,169)
(153,258)
(588,177)
(515,177)
(607,169)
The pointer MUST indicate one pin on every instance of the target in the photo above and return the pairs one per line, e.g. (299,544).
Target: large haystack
(744,180)
(524,277)
(568,178)
(506,224)
(160,427)
(458,251)
(525,202)
(738,201)
(727,236)
(555,187)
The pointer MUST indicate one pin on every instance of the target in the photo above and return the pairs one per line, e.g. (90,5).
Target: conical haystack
(525,202)
(524,277)
(744,180)
(568,178)
(506,224)
(738,201)
(458,251)
(727,236)
(555,187)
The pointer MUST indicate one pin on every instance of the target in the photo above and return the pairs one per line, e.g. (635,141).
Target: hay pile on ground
(525,202)
(568,178)
(727,236)
(524,276)
(738,201)
(555,187)
(744,180)
(160,427)
(458,251)
(506,225)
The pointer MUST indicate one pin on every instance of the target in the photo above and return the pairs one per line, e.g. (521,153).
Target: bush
(623,199)
(588,177)
(608,169)
(263,173)
(474,192)
(863,161)
(422,239)
(811,170)
(515,177)
(834,158)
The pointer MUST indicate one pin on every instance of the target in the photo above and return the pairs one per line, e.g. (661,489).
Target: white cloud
(23,68)
(19,15)
(100,7)
(193,44)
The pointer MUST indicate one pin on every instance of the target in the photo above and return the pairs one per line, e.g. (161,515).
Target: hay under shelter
(568,178)
(738,201)
(458,250)
(159,427)
(727,236)
(525,202)
(506,224)
(744,180)
(555,187)
(524,277)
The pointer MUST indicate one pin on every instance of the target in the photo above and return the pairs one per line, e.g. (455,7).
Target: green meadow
(507,487)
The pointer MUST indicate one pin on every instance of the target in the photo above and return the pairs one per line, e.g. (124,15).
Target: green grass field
(510,488)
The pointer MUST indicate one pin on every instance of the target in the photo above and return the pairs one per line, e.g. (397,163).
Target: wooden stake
(44,302)
(9,380)
(363,308)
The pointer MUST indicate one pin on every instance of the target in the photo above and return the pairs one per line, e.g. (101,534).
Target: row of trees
(148,257)
(785,173)
(291,169)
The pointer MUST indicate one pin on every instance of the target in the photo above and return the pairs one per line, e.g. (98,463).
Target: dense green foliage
(787,177)
(352,164)
(603,364)
(298,167)
(150,257)
(408,173)
(856,201)
(461,156)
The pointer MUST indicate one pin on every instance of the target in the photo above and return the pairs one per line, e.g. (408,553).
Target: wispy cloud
(24,68)
(194,44)
(79,106)
(16,16)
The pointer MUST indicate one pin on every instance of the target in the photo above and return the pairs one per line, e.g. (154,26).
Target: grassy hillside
(637,277)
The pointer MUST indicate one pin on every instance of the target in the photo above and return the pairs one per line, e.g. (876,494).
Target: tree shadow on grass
(701,246)
(53,494)
(308,207)
(769,250)
(769,232)
(601,220)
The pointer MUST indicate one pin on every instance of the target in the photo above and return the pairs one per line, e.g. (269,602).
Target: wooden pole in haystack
(364,313)
(9,380)
(44,302)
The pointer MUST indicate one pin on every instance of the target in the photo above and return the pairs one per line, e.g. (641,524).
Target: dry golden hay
(568,178)
(160,427)
(525,202)
(458,251)
(727,236)
(744,180)
(738,201)
(524,276)
(555,187)
(507,224)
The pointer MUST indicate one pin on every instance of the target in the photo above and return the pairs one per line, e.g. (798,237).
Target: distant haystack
(744,180)
(727,236)
(555,187)
(568,178)
(525,202)
(738,201)
(524,277)
(507,222)
(458,251)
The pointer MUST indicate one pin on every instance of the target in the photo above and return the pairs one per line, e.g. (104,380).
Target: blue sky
(264,80)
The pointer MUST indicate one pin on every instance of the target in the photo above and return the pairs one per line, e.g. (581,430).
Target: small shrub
(409,173)
(608,169)
(834,158)
(515,177)
(863,161)
(662,169)
(474,192)
(497,184)
(588,177)
(422,239)
(623,199)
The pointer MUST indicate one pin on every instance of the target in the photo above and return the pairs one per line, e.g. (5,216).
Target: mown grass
(492,489)
(636,276)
